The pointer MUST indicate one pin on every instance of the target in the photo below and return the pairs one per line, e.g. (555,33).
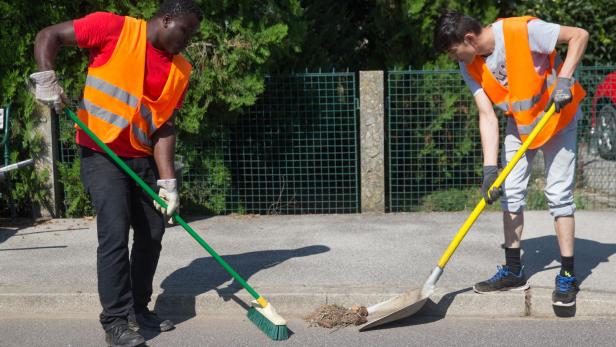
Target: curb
(535,302)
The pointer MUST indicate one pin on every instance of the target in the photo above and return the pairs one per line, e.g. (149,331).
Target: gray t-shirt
(542,37)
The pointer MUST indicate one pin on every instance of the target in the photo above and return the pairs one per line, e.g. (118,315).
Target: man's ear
(470,39)
(166,20)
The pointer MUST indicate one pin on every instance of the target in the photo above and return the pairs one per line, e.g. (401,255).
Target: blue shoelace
(564,283)
(501,273)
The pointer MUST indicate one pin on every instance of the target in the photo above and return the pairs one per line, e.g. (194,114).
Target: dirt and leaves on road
(336,316)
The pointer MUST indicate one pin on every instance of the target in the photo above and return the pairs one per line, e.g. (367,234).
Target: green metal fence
(294,151)
(434,149)
(596,174)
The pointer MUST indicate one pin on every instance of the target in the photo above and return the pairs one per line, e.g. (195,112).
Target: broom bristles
(273,331)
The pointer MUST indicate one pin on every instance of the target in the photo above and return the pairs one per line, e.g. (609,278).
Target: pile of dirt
(335,316)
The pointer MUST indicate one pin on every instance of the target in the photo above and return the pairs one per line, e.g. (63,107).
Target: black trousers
(124,282)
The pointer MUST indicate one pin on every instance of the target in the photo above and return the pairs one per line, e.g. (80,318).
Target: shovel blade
(401,306)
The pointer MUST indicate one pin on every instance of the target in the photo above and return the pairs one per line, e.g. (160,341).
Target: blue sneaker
(566,290)
(503,280)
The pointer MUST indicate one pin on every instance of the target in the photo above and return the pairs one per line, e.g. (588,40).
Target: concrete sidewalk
(300,262)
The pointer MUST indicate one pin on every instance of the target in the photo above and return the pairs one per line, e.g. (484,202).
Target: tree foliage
(377,34)
(386,34)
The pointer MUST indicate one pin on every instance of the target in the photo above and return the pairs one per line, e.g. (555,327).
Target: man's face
(464,52)
(177,32)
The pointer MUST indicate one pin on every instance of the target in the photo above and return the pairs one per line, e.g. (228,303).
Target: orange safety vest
(527,94)
(113,96)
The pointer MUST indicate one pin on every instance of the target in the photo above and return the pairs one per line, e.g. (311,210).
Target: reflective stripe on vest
(551,79)
(103,114)
(141,136)
(503,106)
(146,115)
(124,97)
(113,91)
(523,105)
(527,104)
(527,129)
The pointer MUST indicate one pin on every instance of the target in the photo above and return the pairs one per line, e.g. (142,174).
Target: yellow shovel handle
(499,181)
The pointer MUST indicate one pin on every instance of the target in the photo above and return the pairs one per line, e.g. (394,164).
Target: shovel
(407,304)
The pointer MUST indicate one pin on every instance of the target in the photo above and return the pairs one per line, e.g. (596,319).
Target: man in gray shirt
(484,60)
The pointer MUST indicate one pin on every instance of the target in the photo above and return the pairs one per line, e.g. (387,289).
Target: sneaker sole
(167,329)
(134,344)
(563,304)
(514,289)
(137,327)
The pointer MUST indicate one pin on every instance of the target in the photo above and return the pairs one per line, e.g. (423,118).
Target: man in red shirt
(136,81)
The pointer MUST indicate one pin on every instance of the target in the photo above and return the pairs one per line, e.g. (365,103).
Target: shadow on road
(205,274)
(540,252)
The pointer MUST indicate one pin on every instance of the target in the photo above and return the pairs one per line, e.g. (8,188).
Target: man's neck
(152,28)
(485,41)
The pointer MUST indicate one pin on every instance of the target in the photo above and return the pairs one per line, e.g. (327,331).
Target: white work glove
(47,90)
(169,193)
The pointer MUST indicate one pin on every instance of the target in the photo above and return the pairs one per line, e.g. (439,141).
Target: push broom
(261,312)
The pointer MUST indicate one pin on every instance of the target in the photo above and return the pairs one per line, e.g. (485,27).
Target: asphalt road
(237,331)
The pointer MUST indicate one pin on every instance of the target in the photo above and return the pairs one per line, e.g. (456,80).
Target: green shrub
(77,201)
(454,200)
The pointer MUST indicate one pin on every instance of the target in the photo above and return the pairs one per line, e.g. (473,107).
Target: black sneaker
(148,320)
(503,280)
(122,336)
(565,292)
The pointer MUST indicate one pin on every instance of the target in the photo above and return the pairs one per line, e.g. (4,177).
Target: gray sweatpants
(559,154)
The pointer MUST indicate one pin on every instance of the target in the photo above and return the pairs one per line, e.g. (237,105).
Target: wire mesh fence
(434,148)
(596,171)
(294,151)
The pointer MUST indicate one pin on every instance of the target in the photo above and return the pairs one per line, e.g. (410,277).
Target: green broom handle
(161,202)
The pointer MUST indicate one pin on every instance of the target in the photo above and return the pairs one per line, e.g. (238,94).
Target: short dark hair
(179,7)
(450,29)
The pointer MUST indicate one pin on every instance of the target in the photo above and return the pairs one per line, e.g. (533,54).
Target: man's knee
(563,210)
(512,205)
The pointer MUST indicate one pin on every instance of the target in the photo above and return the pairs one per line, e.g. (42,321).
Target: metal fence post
(46,160)
(372,136)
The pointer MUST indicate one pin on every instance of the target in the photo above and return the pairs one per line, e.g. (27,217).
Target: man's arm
(48,42)
(577,39)
(164,149)
(488,127)
(164,152)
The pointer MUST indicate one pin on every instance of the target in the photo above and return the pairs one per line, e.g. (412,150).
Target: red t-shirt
(99,32)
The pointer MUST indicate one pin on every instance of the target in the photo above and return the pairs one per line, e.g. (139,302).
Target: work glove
(490,173)
(561,95)
(169,193)
(47,90)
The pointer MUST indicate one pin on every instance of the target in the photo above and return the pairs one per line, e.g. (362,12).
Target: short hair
(450,29)
(179,7)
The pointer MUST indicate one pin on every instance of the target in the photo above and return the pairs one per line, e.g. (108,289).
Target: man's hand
(169,193)
(47,90)
(490,173)
(561,95)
